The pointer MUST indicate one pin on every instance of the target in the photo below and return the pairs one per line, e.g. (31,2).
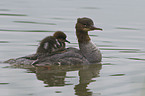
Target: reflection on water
(85,78)
(57,78)
(53,76)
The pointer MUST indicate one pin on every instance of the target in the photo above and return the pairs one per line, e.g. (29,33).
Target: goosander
(87,48)
(50,45)
(86,54)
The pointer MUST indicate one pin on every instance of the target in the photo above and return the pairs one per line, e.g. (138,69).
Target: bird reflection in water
(53,76)
(85,78)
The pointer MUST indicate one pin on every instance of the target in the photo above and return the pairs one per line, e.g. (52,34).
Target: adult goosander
(86,54)
(87,48)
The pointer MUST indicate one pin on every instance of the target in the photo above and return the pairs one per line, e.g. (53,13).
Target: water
(25,22)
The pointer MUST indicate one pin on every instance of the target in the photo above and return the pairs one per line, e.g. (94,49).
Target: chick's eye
(85,25)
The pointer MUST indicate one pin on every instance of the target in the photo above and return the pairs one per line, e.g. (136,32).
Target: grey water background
(23,23)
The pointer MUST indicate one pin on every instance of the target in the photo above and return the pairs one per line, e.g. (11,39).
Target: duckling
(50,45)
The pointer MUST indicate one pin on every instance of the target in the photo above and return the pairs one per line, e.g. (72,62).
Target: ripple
(109,57)
(3,83)
(4,10)
(13,15)
(70,77)
(4,42)
(120,49)
(107,41)
(131,51)
(31,22)
(137,59)
(117,75)
(62,18)
(73,43)
(108,64)
(25,30)
(90,8)
(125,28)
(105,46)
(56,18)
(94,35)
(31,45)
(58,91)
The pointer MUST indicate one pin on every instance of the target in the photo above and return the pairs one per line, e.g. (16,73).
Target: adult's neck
(82,36)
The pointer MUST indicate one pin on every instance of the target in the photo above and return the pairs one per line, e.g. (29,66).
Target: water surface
(25,22)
